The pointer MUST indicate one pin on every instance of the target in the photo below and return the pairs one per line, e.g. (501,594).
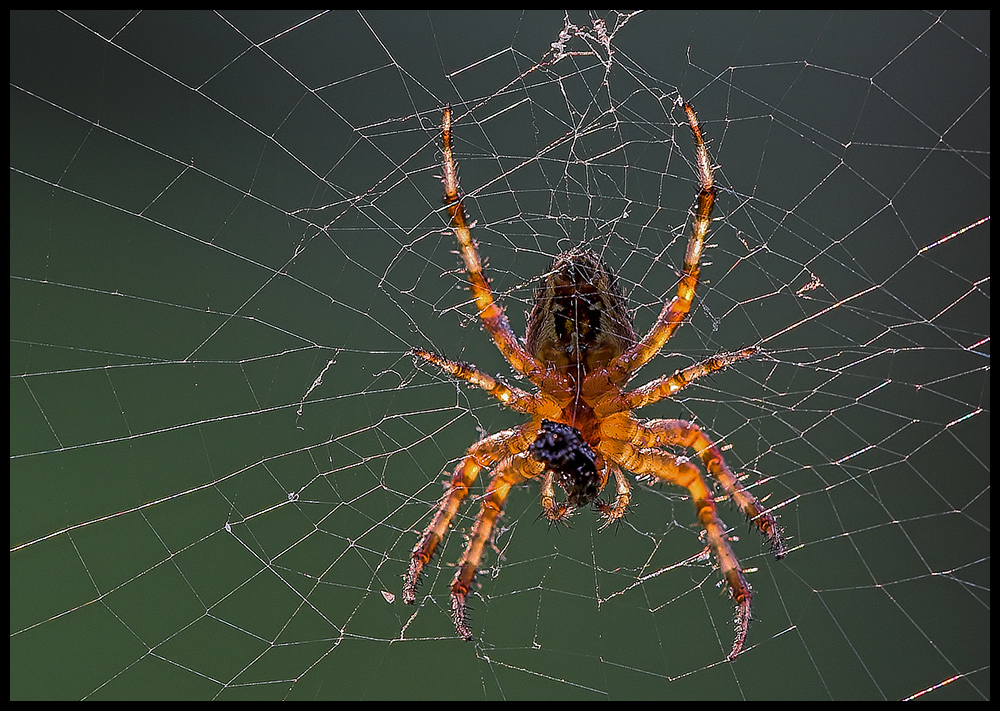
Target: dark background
(226,233)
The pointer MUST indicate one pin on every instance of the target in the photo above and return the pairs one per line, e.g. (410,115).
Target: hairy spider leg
(657,433)
(682,473)
(490,312)
(482,455)
(512,397)
(509,473)
(675,311)
(668,385)
(555,511)
(623,497)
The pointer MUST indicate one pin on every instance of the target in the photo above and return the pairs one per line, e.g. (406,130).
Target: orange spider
(579,352)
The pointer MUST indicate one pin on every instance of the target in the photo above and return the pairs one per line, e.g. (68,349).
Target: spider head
(566,454)
(578,318)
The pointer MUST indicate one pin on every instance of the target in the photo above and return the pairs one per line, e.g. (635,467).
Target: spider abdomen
(579,321)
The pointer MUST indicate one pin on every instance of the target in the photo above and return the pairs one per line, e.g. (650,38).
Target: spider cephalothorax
(579,352)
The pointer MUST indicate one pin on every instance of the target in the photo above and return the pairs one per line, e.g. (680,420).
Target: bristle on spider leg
(775,537)
(772,531)
(460,615)
(765,524)
(609,519)
(411,581)
(742,625)
(559,516)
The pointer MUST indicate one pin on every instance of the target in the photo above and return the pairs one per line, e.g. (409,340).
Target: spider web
(227,233)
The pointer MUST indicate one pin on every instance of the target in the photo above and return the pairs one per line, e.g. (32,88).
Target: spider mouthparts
(566,454)
(580,493)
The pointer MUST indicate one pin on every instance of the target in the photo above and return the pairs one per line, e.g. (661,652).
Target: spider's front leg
(657,433)
(483,454)
(679,471)
(510,473)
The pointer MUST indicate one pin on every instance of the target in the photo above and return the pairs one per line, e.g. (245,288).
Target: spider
(579,352)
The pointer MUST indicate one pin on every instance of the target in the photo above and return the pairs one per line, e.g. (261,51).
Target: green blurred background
(226,234)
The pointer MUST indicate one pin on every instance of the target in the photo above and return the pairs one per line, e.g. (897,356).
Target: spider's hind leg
(669,385)
(490,313)
(676,309)
(511,396)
